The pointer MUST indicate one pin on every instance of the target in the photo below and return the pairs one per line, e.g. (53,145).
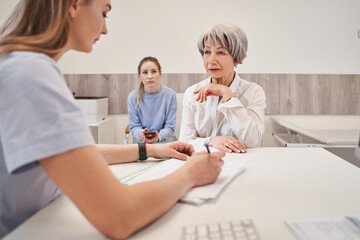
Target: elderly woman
(224,111)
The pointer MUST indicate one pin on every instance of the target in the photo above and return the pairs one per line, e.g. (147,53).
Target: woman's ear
(74,8)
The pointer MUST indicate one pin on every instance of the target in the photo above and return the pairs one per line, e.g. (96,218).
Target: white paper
(196,195)
(229,170)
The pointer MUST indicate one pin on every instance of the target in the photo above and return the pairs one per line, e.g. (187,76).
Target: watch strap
(142,151)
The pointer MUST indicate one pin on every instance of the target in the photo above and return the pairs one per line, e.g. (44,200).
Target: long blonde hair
(37,25)
(141,87)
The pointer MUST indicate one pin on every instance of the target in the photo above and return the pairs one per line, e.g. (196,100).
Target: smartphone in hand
(150,134)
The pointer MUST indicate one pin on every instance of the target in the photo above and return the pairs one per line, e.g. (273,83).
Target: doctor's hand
(213,89)
(177,150)
(204,168)
(227,144)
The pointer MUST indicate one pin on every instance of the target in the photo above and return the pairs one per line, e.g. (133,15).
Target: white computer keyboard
(232,230)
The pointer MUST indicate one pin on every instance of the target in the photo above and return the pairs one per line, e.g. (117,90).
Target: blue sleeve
(170,121)
(39,116)
(135,125)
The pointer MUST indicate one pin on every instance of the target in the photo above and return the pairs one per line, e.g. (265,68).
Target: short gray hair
(231,37)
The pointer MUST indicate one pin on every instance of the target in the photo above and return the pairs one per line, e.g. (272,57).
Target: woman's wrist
(155,150)
(150,151)
(189,175)
(227,94)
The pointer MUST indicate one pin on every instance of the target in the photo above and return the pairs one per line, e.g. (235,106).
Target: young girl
(45,145)
(152,107)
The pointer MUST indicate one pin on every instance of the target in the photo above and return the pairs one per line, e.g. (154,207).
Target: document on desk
(196,195)
(347,228)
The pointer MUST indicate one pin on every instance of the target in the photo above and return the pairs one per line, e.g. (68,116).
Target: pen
(207,148)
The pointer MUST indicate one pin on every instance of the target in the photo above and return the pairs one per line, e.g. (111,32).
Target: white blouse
(241,117)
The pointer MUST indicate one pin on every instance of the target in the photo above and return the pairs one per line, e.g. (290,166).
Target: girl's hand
(149,139)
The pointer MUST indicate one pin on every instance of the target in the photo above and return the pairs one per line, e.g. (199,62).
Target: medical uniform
(38,119)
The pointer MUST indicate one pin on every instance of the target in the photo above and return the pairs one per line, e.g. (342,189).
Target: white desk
(279,184)
(326,130)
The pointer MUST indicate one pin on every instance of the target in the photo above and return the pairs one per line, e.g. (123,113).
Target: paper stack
(196,195)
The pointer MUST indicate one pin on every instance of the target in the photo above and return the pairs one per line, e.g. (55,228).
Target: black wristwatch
(142,151)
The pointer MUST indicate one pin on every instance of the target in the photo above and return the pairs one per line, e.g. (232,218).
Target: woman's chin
(214,75)
(89,49)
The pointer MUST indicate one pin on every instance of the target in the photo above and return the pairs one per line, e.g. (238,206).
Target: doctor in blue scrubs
(45,145)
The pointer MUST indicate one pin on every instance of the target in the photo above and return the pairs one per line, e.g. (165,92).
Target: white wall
(285,36)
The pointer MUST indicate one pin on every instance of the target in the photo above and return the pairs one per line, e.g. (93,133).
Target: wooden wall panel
(180,82)
(88,84)
(120,85)
(302,94)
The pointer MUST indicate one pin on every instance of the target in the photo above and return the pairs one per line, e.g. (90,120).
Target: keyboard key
(190,237)
(240,234)
(225,226)
(242,238)
(215,238)
(246,222)
(214,227)
(249,230)
(226,232)
(228,238)
(252,237)
(215,235)
(190,229)
(203,238)
(236,223)
(238,228)
(202,230)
